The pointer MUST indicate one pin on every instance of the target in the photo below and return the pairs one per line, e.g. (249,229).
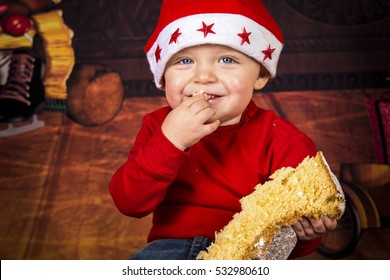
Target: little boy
(193,160)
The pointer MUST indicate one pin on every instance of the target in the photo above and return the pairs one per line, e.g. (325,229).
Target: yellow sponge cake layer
(310,190)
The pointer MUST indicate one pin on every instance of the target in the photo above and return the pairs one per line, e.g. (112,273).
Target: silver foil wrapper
(281,245)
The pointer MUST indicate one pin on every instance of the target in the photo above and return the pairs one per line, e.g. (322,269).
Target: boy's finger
(211,127)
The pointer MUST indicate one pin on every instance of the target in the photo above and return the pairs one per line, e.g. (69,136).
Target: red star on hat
(174,36)
(157,54)
(206,29)
(244,36)
(268,53)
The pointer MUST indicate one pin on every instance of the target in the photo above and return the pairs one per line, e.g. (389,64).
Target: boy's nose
(204,74)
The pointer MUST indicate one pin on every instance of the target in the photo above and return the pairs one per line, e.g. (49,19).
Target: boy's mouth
(210,97)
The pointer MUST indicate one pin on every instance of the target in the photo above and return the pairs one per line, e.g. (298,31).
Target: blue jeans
(172,249)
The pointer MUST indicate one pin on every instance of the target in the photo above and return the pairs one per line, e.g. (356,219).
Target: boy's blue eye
(227,60)
(185,61)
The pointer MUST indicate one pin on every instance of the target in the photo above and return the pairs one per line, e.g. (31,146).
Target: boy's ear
(163,83)
(261,82)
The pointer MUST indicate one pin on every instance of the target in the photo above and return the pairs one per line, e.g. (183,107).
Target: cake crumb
(200,92)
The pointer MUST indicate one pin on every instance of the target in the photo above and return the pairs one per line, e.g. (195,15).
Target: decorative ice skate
(23,94)
(15,129)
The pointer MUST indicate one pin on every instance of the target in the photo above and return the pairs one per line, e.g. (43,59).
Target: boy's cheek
(174,100)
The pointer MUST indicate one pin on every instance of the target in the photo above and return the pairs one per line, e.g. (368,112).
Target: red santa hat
(244,25)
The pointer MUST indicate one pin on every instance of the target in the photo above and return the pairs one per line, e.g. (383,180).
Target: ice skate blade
(12,130)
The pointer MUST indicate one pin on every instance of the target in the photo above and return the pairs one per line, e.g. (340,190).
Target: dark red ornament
(3,9)
(16,25)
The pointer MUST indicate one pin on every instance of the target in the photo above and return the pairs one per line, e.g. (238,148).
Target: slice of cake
(310,190)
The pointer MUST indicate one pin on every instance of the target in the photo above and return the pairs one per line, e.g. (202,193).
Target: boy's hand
(188,123)
(309,228)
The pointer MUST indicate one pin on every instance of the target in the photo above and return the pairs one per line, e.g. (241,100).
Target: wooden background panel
(54,181)
(79,219)
(26,161)
(333,119)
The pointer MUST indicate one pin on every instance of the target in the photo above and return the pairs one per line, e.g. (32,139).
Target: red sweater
(197,192)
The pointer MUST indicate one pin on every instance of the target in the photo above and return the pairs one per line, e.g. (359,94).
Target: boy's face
(227,76)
